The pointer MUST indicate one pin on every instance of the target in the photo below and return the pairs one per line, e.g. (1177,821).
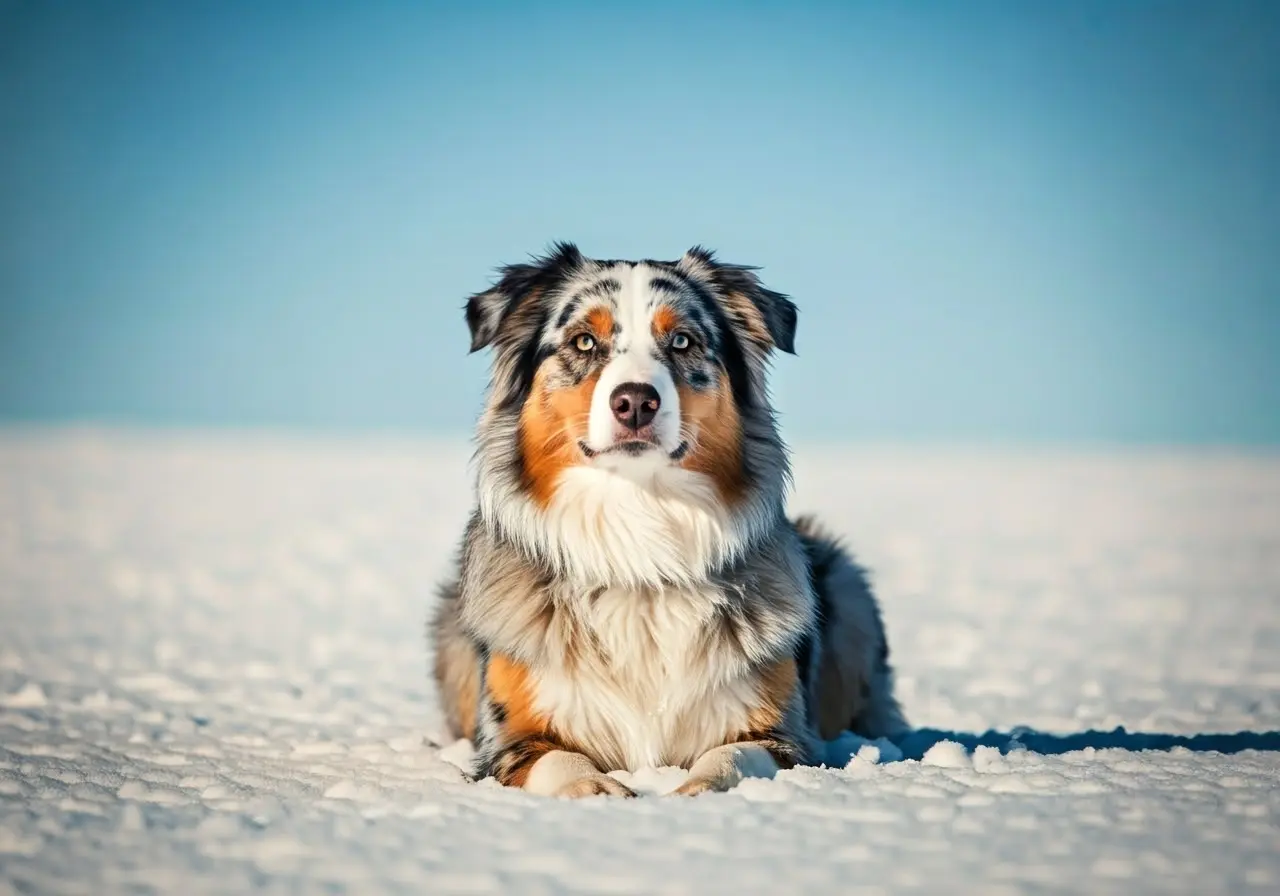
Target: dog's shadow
(916,743)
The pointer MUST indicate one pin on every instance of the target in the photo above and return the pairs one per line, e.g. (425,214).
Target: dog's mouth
(632,448)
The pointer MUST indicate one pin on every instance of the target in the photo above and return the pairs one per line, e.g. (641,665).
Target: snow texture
(213,678)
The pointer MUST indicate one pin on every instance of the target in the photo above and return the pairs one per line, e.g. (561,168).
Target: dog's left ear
(769,318)
(490,311)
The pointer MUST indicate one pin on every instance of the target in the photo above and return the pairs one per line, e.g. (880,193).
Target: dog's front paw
(594,785)
(698,784)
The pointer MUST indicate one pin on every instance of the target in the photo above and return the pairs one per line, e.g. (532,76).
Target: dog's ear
(485,310)
(488,311)
(768,318)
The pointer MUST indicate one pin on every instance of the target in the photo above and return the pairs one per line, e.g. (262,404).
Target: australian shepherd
(630,592)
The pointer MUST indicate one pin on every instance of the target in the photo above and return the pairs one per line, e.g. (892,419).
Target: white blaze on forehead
(635,359)
(635,304)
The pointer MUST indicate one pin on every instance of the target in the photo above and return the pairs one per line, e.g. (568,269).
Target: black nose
(635,405)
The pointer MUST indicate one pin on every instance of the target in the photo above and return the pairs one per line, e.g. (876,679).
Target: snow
(213,678)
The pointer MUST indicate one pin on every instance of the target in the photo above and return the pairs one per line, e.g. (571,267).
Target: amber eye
(584,343)
(680,342)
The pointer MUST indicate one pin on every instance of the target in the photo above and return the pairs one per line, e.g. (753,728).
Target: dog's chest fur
(651,689)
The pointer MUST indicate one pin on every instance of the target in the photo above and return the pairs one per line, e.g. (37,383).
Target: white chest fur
(652,691)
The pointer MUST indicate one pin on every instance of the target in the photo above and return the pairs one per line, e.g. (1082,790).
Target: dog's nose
(635,405)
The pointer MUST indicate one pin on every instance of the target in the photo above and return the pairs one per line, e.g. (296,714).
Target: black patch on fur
(804,658)
(498,713)
(605,287)
(698,318)
(664,284)
(568,311)
(698,379)
(532,354)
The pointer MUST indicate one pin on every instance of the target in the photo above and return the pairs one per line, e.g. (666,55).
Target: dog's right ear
(487,311)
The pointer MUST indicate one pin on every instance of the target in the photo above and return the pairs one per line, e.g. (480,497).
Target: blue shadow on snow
(916,743)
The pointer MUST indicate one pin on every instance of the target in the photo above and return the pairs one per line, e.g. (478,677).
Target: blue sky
(1001,222)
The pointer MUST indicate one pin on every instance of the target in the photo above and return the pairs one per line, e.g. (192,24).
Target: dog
(629,591)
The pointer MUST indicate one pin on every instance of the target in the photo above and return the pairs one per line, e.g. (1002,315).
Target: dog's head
(647,373)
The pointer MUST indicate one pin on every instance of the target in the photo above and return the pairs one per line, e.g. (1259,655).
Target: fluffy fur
(629,590)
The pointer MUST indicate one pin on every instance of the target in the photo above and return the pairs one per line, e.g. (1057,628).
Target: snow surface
(213,678)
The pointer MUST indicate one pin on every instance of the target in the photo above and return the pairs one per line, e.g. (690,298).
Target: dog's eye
(584,342)
(680,342)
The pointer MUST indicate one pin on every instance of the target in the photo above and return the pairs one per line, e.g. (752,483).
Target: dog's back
(851,682)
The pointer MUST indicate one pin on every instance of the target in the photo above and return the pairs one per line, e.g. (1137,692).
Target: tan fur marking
(712,419)
(551,423)
(526,731)
(600,320)
(777,686)
(665,320)
(507,682)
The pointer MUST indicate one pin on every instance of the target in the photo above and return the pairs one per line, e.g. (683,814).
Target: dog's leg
(723,767)
(541,766)
(775,737)
(565,774)
(520,747)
